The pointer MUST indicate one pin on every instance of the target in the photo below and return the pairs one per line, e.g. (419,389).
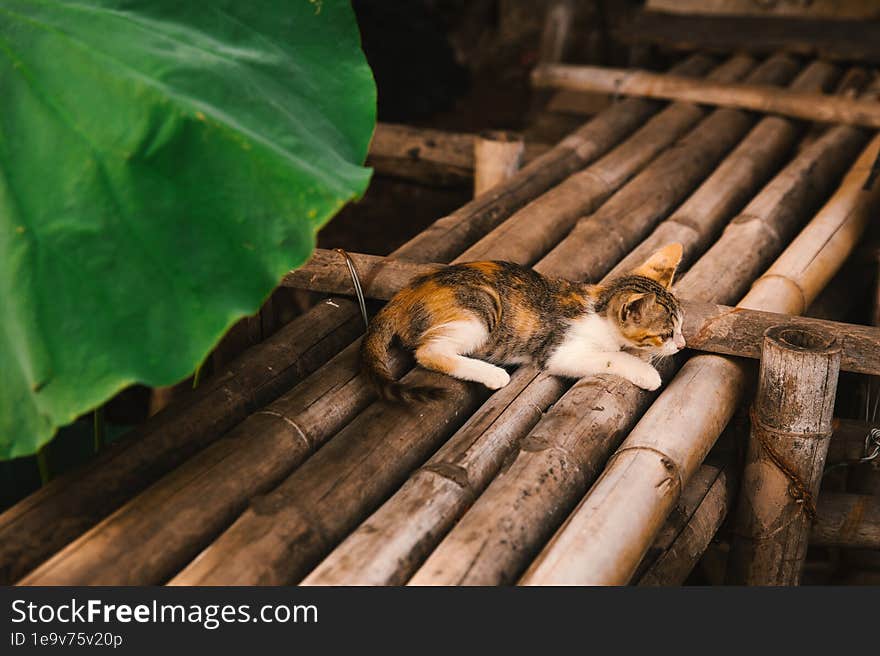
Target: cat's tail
(375,355)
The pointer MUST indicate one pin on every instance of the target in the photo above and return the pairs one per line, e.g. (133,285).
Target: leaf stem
(43,464)
(99,429)
(197,375)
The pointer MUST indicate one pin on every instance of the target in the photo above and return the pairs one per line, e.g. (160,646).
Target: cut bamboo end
(791,427)
(497,157)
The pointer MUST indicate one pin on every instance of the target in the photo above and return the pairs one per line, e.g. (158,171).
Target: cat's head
(643,307)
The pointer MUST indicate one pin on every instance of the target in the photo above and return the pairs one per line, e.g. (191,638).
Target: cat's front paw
(497,379)
(648,379)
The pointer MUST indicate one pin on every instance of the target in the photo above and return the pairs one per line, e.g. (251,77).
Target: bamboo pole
(433,157)
(806,106)
(637,490)
(495,540)
(532,231)
(53,516)
(846,520)
(497,156)
(677,558)
(385,548)
(345,393)
(707,327)
(556,36)
(373,436)
(791,428)
(755,159)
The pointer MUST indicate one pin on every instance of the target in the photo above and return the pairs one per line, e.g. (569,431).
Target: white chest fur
(587,335)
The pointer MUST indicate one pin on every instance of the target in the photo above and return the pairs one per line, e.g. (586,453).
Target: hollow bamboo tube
(846,520)
(495,540)
(807,106)
(791,428)
(497,156)
(53,516)
(643,480)
(359,435)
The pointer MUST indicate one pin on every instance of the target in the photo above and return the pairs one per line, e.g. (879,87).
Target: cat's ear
(635,307)
(661,265)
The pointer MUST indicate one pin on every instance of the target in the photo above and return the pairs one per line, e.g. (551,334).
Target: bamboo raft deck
(283,468)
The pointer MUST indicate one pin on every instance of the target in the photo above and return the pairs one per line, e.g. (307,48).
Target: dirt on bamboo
(53,516)
(752,97)
(491,208)
(520,509)
(715,487)
(668,444)
(791,430)
(364,427)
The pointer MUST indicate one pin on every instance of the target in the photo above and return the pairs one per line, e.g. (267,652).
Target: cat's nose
(679,341)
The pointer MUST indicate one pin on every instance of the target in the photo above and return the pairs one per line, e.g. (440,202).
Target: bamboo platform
(284,468)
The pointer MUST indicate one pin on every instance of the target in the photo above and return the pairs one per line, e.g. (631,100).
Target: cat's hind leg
(441,349)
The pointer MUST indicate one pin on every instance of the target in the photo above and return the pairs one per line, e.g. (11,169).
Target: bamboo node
(797,489)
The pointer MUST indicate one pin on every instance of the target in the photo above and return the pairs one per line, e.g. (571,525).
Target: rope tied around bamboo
(791,428)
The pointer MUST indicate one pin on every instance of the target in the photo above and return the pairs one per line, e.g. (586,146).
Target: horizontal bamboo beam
(835,40)
(847,520)
(707,327)
(796,104)
(434,157)
(829,9)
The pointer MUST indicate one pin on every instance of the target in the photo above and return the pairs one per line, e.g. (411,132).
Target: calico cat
(466,319)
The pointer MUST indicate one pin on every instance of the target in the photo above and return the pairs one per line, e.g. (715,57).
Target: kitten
(466,319)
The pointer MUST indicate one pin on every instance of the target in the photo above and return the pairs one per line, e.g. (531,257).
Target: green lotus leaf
(162,165)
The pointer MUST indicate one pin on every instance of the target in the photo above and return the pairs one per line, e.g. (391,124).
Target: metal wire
(356,281)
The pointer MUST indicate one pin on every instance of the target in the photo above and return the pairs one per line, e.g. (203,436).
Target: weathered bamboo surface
(57,513)
(643,481)
(493,542)
(833,9)
(847,520)
(837,40)
(732,184)
(678,555)
(791,429)
(497,157)
(720,329)
(434,157)
(796,104)
(366,433)
(541,224)
(319,406)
